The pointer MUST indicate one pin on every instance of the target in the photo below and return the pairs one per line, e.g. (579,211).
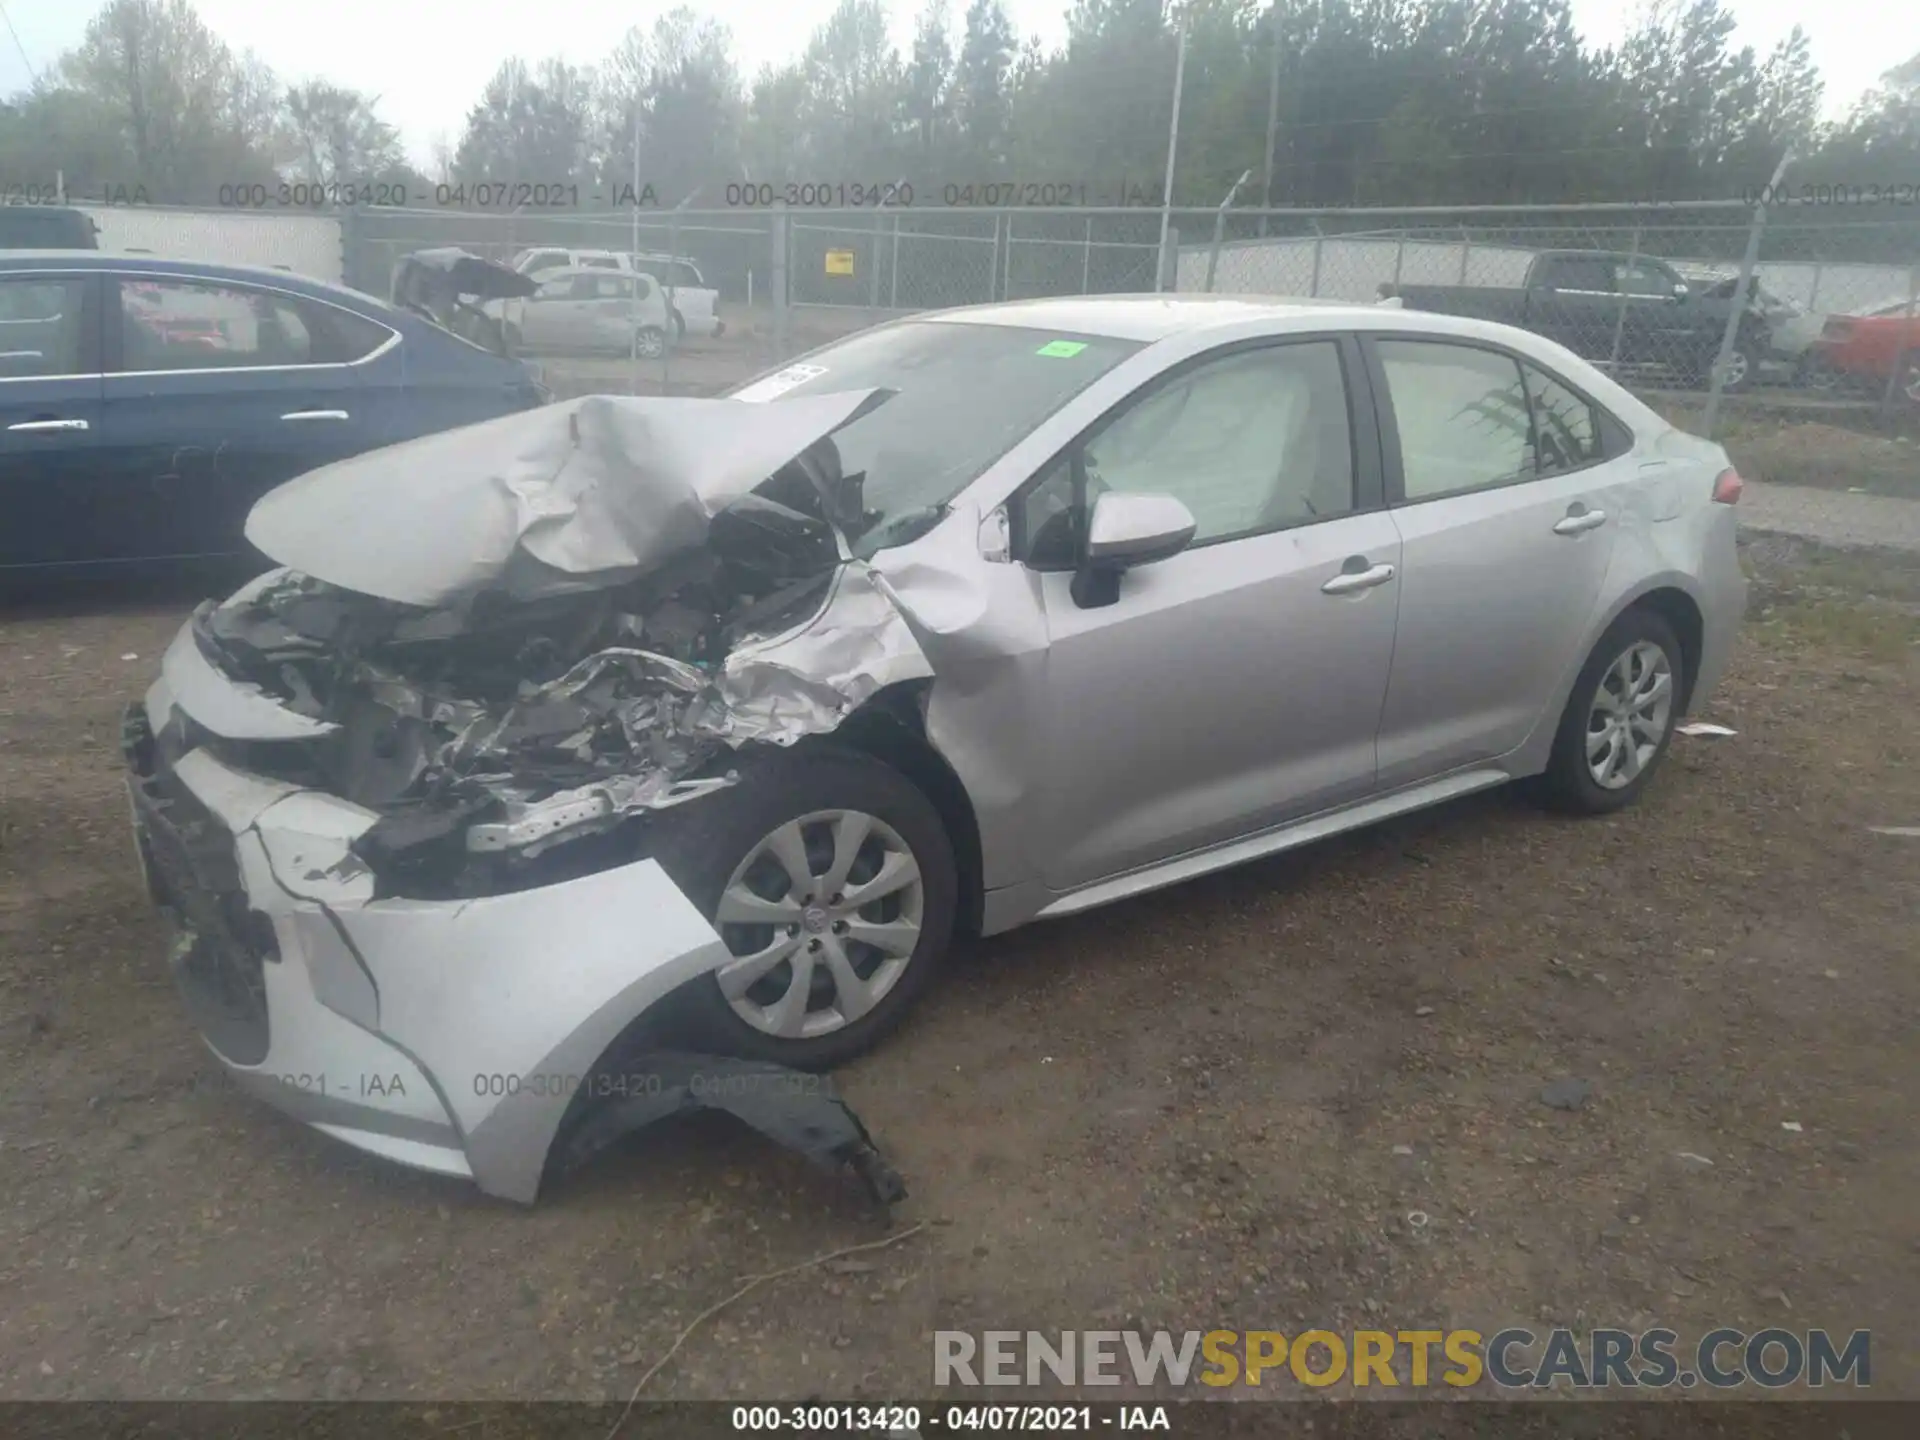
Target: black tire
(1815,372)
(700,847)
(1567,785)
(1749,353)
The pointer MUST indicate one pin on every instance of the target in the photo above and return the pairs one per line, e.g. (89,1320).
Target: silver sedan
(719,720)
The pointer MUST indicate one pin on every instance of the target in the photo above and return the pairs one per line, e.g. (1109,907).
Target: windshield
(963,395)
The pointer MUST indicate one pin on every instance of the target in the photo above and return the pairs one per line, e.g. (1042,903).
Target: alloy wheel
(1628,717)
(822,918)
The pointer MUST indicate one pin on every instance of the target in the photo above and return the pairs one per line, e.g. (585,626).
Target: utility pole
(1273,116)
(1173,149)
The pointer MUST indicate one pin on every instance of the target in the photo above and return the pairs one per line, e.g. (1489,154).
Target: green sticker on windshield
(1061,349)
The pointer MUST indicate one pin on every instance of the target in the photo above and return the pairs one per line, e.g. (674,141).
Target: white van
(696,304)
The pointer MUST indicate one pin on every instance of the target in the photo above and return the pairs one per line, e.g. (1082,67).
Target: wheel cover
(652,345)
(1628,716)
(1912,385)
(822,918)
(1734,372)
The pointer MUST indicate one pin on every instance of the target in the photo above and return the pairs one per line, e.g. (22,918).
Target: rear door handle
(1581,523)
(316,415)
(38,425)
(1350,581)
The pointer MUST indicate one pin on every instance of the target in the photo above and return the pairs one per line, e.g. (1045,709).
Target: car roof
(560,272)
(1147,318)
(12,260)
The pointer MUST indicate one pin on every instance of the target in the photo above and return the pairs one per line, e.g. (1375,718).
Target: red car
(1863,349)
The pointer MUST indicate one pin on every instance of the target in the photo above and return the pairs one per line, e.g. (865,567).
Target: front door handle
(1350,581)
(1579,522)
(38,425)
(316,415)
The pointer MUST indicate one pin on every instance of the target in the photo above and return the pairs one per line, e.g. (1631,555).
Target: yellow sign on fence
(839,262)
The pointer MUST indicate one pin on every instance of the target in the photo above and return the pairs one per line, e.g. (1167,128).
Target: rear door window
(1590,274)
(1460,414)
(42,326)
(168,324)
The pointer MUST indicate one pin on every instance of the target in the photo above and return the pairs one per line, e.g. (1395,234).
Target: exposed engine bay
(491,727)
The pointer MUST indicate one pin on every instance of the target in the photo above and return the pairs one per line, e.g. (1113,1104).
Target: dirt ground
(1214,1107)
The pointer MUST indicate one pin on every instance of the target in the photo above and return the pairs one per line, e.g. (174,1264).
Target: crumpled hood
(568,497)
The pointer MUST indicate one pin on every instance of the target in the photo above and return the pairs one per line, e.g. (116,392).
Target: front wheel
(831,881)
(650,342)
(1619,719)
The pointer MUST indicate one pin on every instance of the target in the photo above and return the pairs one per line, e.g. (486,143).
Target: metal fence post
(1620,314)
(893,269)
(1219,231)
(873,280)
(993,269)
(1319,249)
(1737,311)
(1466,249)
(1006,283)
(1897,385)
(1813,291)
(778,289)
(347,225)
(1086,261)
(1399,259)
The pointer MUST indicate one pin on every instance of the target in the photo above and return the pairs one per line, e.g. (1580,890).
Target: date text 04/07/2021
(901,195)
(918,1421)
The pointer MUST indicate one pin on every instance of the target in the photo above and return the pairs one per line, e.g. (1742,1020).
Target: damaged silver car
(638,725)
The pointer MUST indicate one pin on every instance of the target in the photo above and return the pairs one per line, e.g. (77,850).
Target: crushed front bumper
(449,1036)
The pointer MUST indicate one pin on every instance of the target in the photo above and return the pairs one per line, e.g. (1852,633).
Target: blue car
(146,404)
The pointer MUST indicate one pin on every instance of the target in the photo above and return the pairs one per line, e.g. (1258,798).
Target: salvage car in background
(713,721)
(1791,330)
(588,308)
(693,305)
(146,404)
(1603,305)
(1862,351)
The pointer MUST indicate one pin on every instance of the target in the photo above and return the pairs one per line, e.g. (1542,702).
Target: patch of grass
(1783,566)
(1872,630)
(1781,449)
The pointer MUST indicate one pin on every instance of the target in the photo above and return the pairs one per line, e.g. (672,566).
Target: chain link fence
(1813,383)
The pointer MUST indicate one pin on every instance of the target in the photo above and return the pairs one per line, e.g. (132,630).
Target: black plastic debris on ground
(792,1108)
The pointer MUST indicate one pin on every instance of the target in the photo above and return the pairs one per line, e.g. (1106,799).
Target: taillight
(1727,487)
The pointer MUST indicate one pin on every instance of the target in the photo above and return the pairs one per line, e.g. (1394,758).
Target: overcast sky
(427,60)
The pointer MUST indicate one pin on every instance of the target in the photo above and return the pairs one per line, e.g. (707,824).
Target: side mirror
(1125,531)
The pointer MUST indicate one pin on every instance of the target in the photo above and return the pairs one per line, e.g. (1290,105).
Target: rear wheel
(831,880)
(1619,719)
(651,342)
(1742,367)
